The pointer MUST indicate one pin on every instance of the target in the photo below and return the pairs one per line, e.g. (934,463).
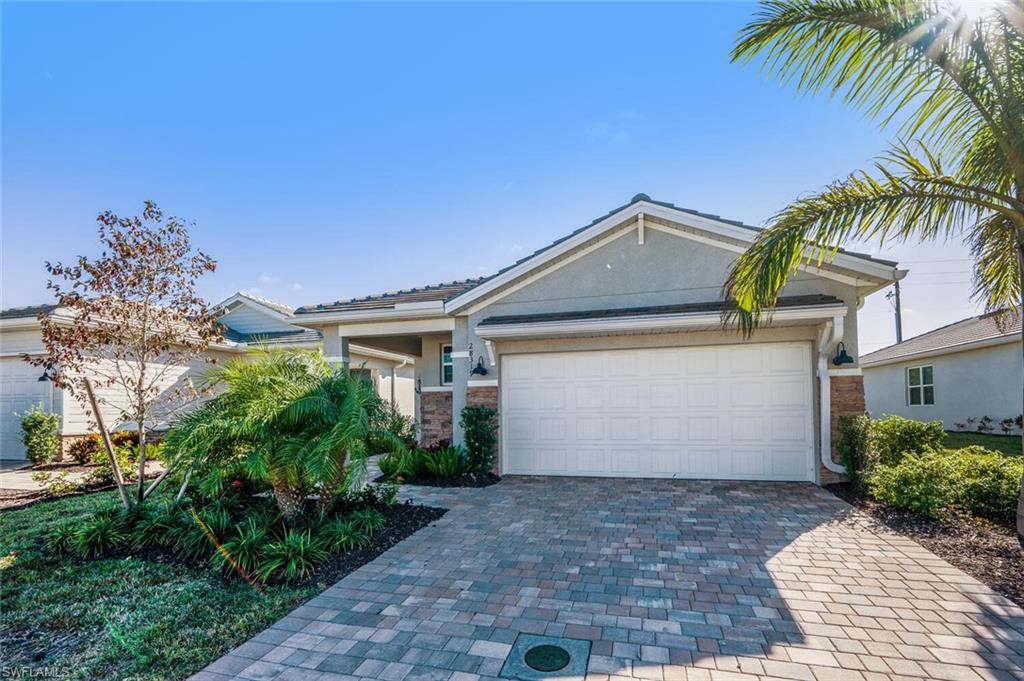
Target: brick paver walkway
(667,579)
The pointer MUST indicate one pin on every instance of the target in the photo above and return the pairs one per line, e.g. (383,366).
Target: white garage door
(734,412)
(19,389)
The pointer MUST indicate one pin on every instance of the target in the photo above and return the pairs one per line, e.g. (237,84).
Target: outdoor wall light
(45,377)
(479,369)
(841,356)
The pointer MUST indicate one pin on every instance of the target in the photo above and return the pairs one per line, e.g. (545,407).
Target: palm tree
(956,79)
(286,418)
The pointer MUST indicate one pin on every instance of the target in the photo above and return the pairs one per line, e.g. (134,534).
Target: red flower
(236,483)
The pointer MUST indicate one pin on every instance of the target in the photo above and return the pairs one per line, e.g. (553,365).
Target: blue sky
(332,150)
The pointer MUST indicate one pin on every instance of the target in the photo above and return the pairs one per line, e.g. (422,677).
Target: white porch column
(336,347)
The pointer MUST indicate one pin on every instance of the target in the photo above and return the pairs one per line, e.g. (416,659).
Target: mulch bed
(468,480)
(403,520)
(989,552)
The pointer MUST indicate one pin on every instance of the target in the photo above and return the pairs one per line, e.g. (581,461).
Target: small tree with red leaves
(128,322)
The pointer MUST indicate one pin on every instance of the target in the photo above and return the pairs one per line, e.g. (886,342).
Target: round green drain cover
(547,658)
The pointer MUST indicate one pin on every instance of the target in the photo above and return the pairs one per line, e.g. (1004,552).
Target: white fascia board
(397,327)
(947,350)
(877,272)
(436,389)
(376,353)
(19,323)
(318,319)
(254,304)
(662,322)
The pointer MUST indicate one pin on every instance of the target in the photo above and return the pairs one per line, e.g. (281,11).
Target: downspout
(394,377)
(830,336)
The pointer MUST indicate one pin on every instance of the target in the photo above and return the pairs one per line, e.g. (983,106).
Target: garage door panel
(739,412)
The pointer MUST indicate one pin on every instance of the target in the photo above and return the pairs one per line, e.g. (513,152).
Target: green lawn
(117,618)
(1007,444)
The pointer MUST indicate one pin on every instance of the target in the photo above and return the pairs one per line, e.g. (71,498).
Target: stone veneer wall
(435,417)
(847,398)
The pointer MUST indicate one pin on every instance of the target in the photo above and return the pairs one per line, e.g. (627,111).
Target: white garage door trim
(742,412)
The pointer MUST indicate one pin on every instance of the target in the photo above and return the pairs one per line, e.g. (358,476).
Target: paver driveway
(667,579)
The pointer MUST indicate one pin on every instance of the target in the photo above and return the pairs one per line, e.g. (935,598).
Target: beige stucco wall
(969,384)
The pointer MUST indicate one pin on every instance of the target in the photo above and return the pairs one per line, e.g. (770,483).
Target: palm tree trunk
(1020,274)
(290,501)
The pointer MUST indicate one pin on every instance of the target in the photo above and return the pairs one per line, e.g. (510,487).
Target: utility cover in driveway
(531,651)
(730,412)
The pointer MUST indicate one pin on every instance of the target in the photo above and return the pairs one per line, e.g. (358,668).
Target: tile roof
(456,288)
(296,336)
(279,307)
(28,311)
(710,306)
(970,330)
(421,294)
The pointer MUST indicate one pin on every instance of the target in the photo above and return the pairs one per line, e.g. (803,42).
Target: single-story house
(248,322)
(957,374)
(605,353)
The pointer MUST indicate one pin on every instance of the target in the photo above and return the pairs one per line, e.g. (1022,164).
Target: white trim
(945,350)
(251,302)
(853,371)
(377,353)
(440,356)
(644,323)
(338,360)
(526,281)
(461,354)
(484,383)
(436,389)
(876,271)
(640,228)
(920,386)
(831,334)
(489,345)
(403,311)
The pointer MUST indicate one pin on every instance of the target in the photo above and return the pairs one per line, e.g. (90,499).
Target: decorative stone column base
(435,417)
(486,396)
(847,394)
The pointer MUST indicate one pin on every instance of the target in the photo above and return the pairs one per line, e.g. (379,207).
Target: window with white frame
(446,365)
(920,385)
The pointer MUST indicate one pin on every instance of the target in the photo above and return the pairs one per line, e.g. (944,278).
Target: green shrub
(103,473)
(368,521)
(102,533)
(401,428)
(40,433)
(157,525)
(189,538)
(343,535)
(295,555)
(246,548)
(404,464)
(853,446)
(480,430)
(62,537)
(448,462)
(386,494)
(974,479)
(84,449)
(917,483)
(894,436)
(56,484)
(984,482)
(124,438)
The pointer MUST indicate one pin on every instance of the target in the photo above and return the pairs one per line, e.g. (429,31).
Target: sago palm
(954,81)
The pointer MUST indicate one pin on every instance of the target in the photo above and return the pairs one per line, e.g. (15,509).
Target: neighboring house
(962,371)
(605,353)
(249,322)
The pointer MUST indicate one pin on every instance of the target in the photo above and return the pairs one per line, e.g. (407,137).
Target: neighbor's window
(920,386)
(446,365)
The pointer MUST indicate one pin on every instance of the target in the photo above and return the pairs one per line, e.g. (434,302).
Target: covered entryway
(729,412)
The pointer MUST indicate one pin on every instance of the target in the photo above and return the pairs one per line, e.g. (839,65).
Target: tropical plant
(852,444)
(62,536)
(342,534)
(285,417)
(448,462)
(136,307)
(480,431)
(83,449)
(956,83)
(368,521)
(246,548)
(157,526)
(295,555)
(99,534)
(40,433)
(405,464)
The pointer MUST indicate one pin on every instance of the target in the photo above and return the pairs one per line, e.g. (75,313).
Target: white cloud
(268,279)
(296,286)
